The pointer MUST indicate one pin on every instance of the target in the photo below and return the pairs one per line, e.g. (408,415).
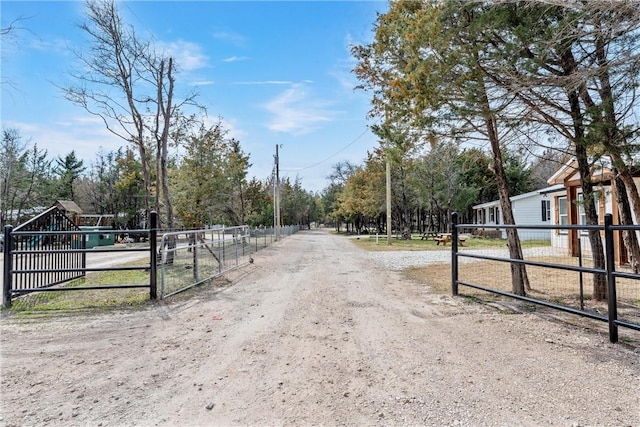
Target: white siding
(527,210)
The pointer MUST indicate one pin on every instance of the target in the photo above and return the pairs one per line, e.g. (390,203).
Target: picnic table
(444,238)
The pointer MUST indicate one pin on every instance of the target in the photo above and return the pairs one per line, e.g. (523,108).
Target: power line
(328,158)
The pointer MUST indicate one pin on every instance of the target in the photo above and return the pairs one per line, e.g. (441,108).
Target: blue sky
(276,72)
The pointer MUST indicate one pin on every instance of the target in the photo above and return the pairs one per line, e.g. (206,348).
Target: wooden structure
(567,207)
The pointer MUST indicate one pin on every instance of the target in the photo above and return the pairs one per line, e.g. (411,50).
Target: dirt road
(314,333)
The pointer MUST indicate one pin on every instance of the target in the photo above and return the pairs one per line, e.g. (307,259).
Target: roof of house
(521,196)
(68,206)
(599,172)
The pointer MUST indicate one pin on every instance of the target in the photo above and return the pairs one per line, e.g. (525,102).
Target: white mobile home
(533,208)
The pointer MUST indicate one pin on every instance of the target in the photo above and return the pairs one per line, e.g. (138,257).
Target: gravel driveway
(399,260)
(314,332)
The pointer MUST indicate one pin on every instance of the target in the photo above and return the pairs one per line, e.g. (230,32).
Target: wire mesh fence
(190,258)
(560,269)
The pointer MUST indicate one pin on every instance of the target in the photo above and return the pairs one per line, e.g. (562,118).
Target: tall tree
(25,180)
(236,169)
(556,60)
(200,178)
(68,170)
(131,88)
(259,203)
(130,189)
(424,68)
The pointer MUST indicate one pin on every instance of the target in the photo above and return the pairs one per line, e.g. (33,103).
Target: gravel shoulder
(316,331)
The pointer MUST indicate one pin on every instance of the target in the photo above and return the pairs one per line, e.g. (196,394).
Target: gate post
(611,279)
(8,266)
(153,261)
(454,253)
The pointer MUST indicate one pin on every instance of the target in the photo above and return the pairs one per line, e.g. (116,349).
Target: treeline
(208,184)
(426,188)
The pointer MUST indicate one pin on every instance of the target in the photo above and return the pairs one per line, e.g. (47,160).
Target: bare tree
(131,88)
(9,35)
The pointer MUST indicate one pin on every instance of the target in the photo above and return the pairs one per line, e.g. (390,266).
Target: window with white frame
(494,215)
(563,217)
(546,210)
(582,215)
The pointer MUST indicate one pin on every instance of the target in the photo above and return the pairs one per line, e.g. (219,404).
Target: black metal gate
(50,250)
(41,257)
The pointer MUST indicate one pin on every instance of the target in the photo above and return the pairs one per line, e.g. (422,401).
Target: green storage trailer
(106,237)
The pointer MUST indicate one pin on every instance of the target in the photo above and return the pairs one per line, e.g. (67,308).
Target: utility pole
(388,200)
(273,178)
(277,193)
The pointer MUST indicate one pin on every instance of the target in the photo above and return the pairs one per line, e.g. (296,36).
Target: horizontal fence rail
(547,249)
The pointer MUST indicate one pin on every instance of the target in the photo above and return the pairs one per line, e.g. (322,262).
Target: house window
(546,210)
(563,218)
(494,215)
(582,215)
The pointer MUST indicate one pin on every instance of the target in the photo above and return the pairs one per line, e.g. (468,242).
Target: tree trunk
(584,168)
(519,278)
(613,140)
(629,237)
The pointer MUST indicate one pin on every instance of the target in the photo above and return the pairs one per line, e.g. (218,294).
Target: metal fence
(43,253)
(557,279)
(189,258)
(49,253)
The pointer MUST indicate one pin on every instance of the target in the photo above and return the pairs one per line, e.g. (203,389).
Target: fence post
(581,275)
(454,253)
(220,254)
(611,280)
(8,266)
(196,245)
(153,264)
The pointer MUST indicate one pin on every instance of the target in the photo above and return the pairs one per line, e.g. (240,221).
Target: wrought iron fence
(555,271)
(49,251)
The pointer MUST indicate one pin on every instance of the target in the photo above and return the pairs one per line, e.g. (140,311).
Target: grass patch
(552,285)
(368,242)
(81,300)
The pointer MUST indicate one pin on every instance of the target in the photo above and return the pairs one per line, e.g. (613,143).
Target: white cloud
(296,113)
(266,82)
(342,70)
(187,55)
(202,83)
(234,38)
(231,125)
(236,59)
(85,135)
(57,45)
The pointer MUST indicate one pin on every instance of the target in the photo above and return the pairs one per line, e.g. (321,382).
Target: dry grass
(370,243)
(552,285)
(81,300)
